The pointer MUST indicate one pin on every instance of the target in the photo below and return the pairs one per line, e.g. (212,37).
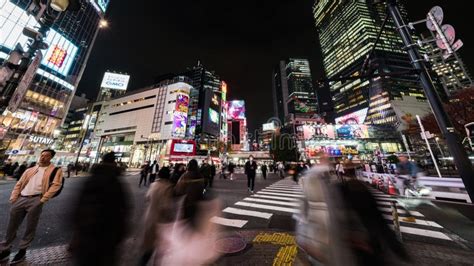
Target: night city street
(314,132)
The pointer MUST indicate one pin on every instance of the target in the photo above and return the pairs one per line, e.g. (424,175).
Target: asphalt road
(271,207)
(55,223)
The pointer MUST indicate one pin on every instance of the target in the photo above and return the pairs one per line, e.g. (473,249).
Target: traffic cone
(391,188)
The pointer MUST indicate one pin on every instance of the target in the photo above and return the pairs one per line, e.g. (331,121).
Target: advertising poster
(352,131)
(318,131)
(357,117)
(179,124)
(182,103)
(236,110)
(213,116)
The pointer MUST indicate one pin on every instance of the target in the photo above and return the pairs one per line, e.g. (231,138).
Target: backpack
(51,179)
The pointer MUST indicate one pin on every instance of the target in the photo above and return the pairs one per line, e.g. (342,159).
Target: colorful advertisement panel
(311,131)
(183,147)
(357,117)
(61,53)
(352,131)
(213,116)
(182,103)
(179,124)
(236,110)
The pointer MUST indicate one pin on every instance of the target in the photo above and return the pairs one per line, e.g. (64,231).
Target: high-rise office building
(293,91)
(347,31)
(47,99)
(451,72)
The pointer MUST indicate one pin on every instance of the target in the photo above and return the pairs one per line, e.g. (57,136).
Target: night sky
(240,40)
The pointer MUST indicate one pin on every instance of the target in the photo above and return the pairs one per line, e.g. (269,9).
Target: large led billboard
(357,117)
(236,110)
(352,131)
(61,53)
(179,124)
(311,131)
(115,81)
(182,103)
(213,116)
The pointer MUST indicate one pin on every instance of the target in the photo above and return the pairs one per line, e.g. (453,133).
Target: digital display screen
(61,53)
(179,124)
(213,116)
(182,103)
(183,147)
(115,81)
(352,131)
(357,117)
(236,110)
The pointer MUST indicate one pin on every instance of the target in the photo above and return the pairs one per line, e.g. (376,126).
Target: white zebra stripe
(292,204)
(267,207)
(264,215)
(280,194)
(418,221)
(228,222)
(274,197)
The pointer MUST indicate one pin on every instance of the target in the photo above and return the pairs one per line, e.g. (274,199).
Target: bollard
(396,221)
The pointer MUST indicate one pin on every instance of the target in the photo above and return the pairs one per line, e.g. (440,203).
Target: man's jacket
(47,192)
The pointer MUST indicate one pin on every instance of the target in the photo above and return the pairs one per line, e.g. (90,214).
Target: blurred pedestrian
(99,218)
(213,173)
(192,185)
(206,172)
(160,210)
(13,168)
(36,186)
(223,171)
(179,170)
(144,173)
(231,168)
(264,171)
(250,171)
(154,168)
(340,170)
(19,171)
(70,168)
(281,169)
(7,167)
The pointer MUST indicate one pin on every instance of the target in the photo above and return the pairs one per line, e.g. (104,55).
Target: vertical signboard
(25,83)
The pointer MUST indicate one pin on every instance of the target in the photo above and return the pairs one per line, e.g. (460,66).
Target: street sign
(449,34)
(438,15)
(25,83)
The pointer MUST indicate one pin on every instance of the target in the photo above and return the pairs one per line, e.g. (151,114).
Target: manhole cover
(230,244)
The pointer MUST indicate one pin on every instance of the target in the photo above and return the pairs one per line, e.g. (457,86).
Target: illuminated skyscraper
(451,72)
(347,31)
(47,99)
(293,91)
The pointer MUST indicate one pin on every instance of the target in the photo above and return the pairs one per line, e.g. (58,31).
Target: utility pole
(456,149)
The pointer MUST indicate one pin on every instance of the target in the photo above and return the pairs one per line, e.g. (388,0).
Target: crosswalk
(284,197)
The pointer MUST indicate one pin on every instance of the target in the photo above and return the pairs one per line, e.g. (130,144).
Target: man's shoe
(19,257)
(4,255)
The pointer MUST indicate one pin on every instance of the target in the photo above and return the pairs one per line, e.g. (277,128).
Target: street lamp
(103,23)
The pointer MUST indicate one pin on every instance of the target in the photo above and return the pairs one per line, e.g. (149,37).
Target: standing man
(144,173)
(27,199)
(264,171)
(250,171)
(153,172)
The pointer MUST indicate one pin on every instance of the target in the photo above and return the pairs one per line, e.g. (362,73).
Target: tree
(460,110)
(283,148)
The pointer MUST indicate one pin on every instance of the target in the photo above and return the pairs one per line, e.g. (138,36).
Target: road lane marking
(292,204)
(267,207)
(418,221)
(264,215)
(401,211)
(283,191)
(423,232)
(228,222)
(274,197)
(280,194)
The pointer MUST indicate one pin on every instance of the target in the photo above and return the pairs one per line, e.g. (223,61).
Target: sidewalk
(265,247)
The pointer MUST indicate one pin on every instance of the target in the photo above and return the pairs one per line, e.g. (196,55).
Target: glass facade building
(293,91)
(347,30)
(47,99)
